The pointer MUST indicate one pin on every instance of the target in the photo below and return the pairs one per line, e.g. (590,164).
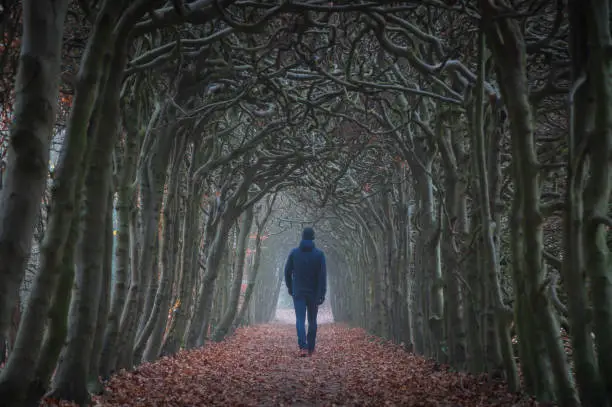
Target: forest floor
(259,366)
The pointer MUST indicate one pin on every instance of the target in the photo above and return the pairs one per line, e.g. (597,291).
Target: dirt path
(258,366)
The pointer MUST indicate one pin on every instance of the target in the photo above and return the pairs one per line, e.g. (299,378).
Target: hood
(308,234)
(307,245)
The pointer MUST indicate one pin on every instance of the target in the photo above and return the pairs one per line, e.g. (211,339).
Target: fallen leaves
(258,366)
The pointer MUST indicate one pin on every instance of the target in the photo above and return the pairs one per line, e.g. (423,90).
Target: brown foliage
(259,366)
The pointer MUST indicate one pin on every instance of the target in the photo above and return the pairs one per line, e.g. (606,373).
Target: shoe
(311,352)
(303,353)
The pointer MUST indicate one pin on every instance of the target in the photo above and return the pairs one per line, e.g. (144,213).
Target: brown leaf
(259,366)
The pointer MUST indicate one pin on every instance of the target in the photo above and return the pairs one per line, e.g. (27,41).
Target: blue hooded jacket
(305,272)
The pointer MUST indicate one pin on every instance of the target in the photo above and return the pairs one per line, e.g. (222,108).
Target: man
(306,279)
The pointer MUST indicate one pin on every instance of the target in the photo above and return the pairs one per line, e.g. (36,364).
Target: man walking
(306,279)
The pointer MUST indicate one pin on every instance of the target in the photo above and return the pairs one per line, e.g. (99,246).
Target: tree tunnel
(453,156)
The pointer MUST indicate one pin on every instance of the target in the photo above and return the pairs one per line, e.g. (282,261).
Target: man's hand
(321,300)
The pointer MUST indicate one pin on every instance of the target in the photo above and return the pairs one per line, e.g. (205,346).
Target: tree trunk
(391,272)
(234,297)
(405,231)
(252,276)
(169,259)
(36,96)
(588,379)
(70,380)
(454,190)
(57,328)
(122,355)
(198,323)
(200,318)
(55,334)
(18,372)
(154,175)
(500,343)
(251,282)
(191,250)
(376,315)
(153,179)
(122,251)
(430,256)
(508,47)
(597,192)
(419,296)
(94,384)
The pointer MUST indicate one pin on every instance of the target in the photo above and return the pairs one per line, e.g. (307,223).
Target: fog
(285,315)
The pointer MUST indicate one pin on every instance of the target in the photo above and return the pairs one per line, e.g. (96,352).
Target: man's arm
(288,276)
(322,277)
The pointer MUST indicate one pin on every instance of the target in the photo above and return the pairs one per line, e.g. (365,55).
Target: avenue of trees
(160,158)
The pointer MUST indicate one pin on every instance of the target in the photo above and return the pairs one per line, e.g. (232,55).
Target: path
(258,366)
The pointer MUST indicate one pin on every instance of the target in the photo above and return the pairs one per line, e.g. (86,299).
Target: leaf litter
(259,366)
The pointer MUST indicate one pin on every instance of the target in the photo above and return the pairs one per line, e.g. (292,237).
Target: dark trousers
(303,306)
